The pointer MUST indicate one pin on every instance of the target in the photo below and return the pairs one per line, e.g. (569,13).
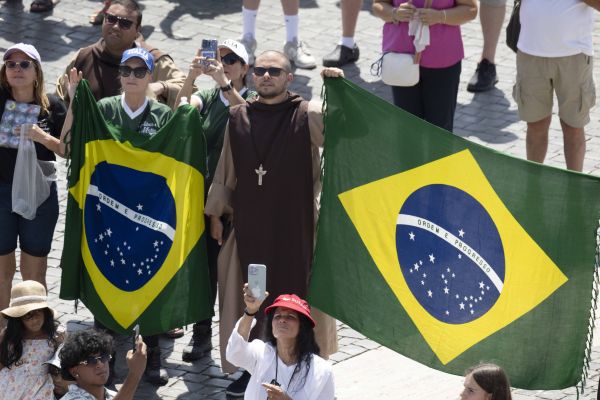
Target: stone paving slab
(177,27)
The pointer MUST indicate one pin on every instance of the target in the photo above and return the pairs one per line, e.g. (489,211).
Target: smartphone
(136,334)
(257,280)
(209,48)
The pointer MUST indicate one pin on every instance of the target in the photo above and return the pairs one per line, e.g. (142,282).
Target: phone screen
(136,333)
(209,48)
(257,280)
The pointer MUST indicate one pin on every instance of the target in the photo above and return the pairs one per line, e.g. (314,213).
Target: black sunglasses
(93,360)
(124,23)
(23,64)
(273,71)
(138,72)
(230,59)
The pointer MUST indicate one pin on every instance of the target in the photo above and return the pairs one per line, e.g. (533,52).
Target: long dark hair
(11,347)
(492,379)
(306,345)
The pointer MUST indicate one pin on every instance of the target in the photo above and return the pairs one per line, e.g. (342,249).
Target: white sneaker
(249,43)
(299,54)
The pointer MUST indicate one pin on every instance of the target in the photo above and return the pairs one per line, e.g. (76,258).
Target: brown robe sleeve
(166,72)
(219,199)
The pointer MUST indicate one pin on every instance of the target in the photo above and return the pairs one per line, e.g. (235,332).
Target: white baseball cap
(25,48)
(236,47)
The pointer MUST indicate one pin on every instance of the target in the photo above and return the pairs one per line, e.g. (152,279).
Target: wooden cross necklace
(260,171)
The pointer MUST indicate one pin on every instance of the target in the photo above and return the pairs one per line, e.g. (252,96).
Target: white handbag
(399,69)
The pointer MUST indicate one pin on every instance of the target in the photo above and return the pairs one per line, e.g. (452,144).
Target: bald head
(274,58)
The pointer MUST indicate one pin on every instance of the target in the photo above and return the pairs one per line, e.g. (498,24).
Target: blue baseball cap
(142,54)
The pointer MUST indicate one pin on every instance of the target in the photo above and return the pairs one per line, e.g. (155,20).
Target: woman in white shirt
(285,366)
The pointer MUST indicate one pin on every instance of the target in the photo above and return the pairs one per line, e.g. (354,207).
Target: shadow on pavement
(486,117)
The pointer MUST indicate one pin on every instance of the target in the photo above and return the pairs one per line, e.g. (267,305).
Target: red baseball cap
(292,302)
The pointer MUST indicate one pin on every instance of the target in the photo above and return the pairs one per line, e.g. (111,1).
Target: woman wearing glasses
(286,365)
(133,111)
(22,81)
(84,359)
(229,72)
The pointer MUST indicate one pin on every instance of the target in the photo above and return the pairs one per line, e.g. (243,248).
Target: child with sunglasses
(84,358)
(31,337)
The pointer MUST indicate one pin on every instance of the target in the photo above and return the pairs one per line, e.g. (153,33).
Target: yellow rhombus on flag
(530,276)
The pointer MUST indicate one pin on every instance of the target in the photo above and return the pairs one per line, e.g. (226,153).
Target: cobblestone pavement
(177,27)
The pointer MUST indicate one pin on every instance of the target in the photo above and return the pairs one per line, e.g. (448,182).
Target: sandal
(40,6)
(98,16)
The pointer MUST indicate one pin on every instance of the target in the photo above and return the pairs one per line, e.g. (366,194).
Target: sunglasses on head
(13,64)
(138,72)
(273,71)
(230,59)
(124,23)
(93,360)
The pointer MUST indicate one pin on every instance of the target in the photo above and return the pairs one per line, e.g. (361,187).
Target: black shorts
(35,236)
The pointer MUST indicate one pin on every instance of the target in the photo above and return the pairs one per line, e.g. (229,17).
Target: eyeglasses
(273,71)
(23,64)
(93,360)
(31,314)
(124,23)
(230,59)
(138,72)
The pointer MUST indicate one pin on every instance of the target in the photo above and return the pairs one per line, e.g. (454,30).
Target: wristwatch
(227,87)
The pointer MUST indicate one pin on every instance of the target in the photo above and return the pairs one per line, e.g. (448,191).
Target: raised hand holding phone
(257,280)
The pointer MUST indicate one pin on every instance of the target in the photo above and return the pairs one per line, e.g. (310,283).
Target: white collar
(131,114)
(225,101)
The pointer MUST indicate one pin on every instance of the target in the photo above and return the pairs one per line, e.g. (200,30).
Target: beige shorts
(538,78)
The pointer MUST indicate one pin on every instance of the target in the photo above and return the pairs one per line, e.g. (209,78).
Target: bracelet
(395,15)
(444,11)
(248,314)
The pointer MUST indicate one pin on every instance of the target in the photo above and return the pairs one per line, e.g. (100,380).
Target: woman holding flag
(133,111)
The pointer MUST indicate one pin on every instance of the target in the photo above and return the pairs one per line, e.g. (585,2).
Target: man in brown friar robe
(268,180)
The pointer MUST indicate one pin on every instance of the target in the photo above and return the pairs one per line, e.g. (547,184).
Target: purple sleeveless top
(445,43)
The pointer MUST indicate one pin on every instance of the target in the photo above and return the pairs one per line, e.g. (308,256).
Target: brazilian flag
(451,253)
(134,249)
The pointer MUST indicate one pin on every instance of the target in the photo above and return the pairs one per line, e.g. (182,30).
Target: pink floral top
(445,45)
(28,378)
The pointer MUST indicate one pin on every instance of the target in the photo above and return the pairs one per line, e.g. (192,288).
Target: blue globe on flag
(450,253)
(129,221)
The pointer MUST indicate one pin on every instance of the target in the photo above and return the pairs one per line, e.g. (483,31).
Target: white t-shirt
(258,358)
(556,28)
